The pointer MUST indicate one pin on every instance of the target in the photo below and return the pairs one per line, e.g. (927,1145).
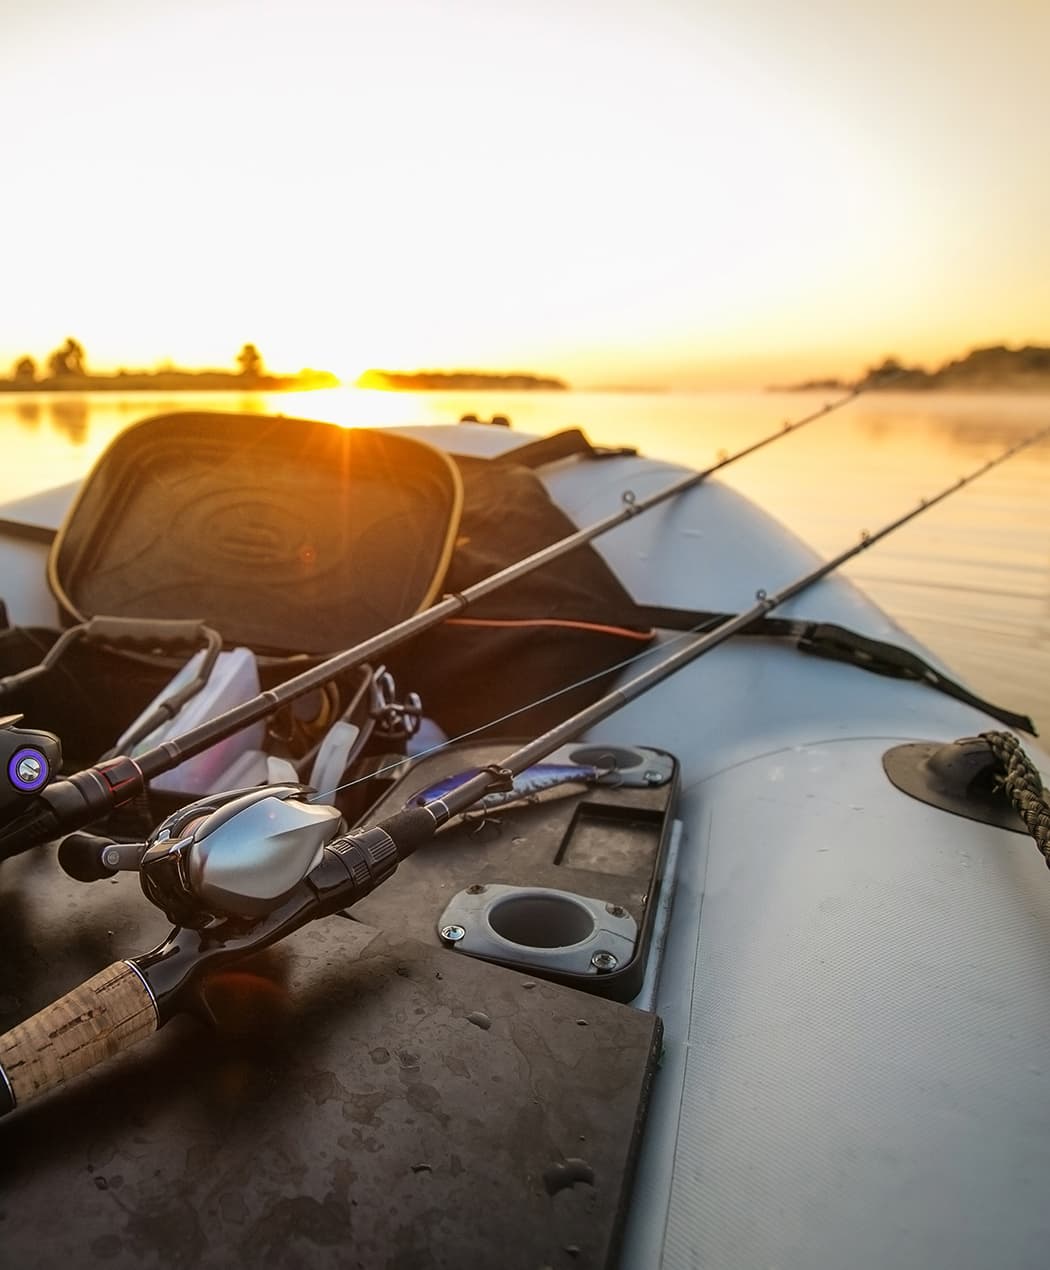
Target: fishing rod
(91,794)
(237,872)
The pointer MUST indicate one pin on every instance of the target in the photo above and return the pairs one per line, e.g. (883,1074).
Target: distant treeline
(995,367)
(422,380)
(65,370)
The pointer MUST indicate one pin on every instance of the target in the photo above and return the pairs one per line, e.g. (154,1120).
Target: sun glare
(413,198)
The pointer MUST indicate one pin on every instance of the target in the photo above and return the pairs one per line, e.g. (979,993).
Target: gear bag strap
(561,445)
(839,643)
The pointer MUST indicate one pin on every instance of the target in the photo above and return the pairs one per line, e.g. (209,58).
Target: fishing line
(717,632)
(407,763)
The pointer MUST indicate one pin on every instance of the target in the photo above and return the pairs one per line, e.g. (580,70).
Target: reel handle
(112,1011)
(89,858)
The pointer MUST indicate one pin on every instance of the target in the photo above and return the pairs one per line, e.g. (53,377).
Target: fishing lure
(527,784)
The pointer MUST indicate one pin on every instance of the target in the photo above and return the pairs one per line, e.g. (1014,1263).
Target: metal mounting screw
(604,961)
(29,768)
(452,934)
(476,889)
(111,858)
(653,778)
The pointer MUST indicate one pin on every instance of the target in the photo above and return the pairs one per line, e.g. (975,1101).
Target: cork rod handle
(110,1012)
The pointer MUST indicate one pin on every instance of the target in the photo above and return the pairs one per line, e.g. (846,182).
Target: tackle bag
(522,648)
(299,539)
(285,535)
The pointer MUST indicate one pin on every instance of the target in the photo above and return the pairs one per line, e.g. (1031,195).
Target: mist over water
(970,578)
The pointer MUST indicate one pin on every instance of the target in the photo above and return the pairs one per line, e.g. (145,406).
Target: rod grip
(110,1012)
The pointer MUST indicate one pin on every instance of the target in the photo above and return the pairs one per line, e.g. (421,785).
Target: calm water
(971,578)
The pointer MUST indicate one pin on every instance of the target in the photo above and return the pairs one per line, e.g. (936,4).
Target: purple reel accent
(28,769)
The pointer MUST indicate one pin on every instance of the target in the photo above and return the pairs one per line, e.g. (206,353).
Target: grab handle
(147,633)
(110,1012)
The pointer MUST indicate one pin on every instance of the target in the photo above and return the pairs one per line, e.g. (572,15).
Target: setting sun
(671,195)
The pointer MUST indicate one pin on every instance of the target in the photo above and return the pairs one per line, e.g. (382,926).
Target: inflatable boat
(744,966)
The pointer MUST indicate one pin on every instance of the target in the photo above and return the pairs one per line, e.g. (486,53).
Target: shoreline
(162,383)
(1023,388)
(109,388)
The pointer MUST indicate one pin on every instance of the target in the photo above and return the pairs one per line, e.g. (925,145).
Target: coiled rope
(1024,787)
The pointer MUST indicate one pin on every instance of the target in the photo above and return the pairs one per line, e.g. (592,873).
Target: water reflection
(27,412)
(969,423)
(69,415)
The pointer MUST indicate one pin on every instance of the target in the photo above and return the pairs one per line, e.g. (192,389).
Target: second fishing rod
(93,793)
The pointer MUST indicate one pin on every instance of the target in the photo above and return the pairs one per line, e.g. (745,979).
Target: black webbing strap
(839,643)
(560,445)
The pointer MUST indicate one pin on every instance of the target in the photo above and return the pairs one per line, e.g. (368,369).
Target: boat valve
(962,777)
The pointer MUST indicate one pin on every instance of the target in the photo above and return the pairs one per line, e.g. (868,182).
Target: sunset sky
(669,192)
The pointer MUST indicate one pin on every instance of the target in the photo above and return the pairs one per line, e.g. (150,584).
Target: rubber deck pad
(362,1102)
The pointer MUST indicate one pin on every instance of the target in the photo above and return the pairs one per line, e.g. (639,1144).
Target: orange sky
(672,192)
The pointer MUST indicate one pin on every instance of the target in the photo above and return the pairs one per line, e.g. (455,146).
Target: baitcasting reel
(232,855)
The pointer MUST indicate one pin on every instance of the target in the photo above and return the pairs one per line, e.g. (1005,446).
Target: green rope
(1024,786)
